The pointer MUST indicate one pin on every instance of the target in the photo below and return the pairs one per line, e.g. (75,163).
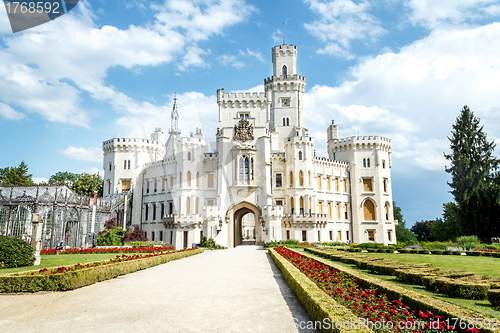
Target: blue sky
(396,68)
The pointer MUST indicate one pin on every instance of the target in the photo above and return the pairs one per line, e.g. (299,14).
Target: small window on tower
(300,156)
(284,124)
(244,116)
(284,71)
(285,102)
(287,121)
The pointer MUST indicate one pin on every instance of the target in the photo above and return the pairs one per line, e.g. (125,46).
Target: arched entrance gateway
(244,225)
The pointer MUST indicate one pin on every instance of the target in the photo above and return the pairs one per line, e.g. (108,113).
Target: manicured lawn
(478,265)
(62,260)
(483,306)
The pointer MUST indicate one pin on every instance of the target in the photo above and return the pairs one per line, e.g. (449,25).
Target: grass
(62,260)
(477,265)
(483,306)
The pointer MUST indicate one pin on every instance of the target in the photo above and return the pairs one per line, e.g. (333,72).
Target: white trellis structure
(67,216)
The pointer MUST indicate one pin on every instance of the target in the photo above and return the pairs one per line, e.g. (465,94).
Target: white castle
(263,181)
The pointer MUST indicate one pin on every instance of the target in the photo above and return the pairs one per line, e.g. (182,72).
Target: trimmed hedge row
(494,297)
(318,304)
(69,280)
(454,283)
(409,297)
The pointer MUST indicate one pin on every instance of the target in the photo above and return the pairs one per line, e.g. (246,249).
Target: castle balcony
(304,219)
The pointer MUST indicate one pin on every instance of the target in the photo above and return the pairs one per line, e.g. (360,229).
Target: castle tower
(285,89)
(369,158)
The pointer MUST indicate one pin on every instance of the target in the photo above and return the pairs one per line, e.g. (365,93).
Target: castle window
(389,236)
(210,180)
(197,179)
(300,156)
(156,184)
(292,204)
(188,206)
(329,210)
(301,205)
(109,166)
(336,184)
(331,234)
(319,235)
(154,212)
(304,235)
(279,203)
(125,185)
(291,178)
(371,235)
(180,179)
(319,182)
(287,121)
(125,165)
(345,185)
(163,184)
(301,178)
(247,169)
(189,156)
(320,207)
(367,185)
(188,179)
(369,211)
(241,168)
(387,211)
(284,123)
(338,211)
(309,179)
(147,186)
(146,212)
(385,184)
(251,168)
(310,205)
(340,235)
(364,162)
(383,164)
(128,164)
(368,163)
(288,234)
(244,116)
(284,71)
(278,180)
(346,214)
(196,203)
(328,183)
(162,211)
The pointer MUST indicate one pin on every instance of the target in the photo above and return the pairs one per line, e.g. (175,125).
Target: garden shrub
(462,288)
(494,297)
(475,253)
(468,242)
(111,237)
(437,251)
(446,252)
(15,252)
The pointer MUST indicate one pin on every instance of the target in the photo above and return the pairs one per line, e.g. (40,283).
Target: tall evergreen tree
(473,169)
(16,176)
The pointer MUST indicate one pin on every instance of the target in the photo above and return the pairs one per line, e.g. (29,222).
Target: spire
(174,118)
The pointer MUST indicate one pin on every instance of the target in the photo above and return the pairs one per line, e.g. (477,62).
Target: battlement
(299,139)
(247,97)
(192,141)
(329,162)
(283,48)
(131,144)
(289,78)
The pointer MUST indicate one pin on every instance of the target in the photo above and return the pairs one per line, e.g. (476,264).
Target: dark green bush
(446,252)
(494,297)
(475,253)
(15,252)
(111,237)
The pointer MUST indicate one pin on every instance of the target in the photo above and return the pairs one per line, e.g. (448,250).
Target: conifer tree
(473,169)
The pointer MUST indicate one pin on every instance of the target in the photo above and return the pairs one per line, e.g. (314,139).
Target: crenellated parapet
(323,161)
(361,143)
(132,145)
(242,100)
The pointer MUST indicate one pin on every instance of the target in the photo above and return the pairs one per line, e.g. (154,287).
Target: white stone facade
(262,178)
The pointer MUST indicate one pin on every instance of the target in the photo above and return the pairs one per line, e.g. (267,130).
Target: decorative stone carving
(243,130)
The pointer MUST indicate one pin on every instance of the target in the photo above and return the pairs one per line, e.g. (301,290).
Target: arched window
(196,204)
(369,211)
(309,179)
(189,156)
(291,178)
(284,71)
(364,162)
(251,168)
(301,203)
(328,183)
(197,179)
(188,179)
(287,121)
(292,204)
(129,164)
(310,205)
(301,178)
(247,169)
(300,156)
(241,168)
(368,163)
(319,182)
(387,211)
(284,122)
(188,206)
(180,179)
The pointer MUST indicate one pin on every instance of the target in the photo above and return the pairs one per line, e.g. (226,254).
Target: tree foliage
(474,178)
(424,230)
(86,184)
(402,232)
(63,178)
(16,176)
(136,235)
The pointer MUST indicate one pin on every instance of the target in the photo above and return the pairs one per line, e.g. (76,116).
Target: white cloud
(255,54)
(431,13)
(230,60)
(340,23)
(47,69)
(414,96)
(9,113)
(93,154)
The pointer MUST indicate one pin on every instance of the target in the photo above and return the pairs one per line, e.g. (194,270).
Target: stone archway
(234,217)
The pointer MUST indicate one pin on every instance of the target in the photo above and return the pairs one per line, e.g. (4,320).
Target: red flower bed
(487,250)
(109,250)
(393,315)
(123,257)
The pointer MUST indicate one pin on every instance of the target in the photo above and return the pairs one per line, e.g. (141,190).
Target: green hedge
(15,252)
(25,282)
(462,288)
(317,303)
(494,297)
(409,297)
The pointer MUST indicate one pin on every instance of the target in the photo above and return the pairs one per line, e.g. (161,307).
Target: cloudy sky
(396,68)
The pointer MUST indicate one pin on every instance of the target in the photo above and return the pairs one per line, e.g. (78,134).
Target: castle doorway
(243,225)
